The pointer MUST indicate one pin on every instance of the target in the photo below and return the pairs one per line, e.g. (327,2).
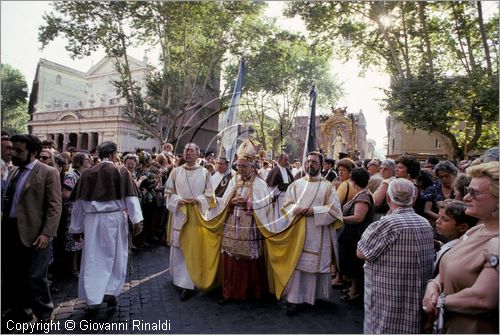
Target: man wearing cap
(188,189)
(314,198)
(244,273)
(399,253)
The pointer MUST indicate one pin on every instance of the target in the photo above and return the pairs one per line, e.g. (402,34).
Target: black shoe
(352,300)
(22,316)
(186,294)
(291,309)
(91,312)
(223,301)
(110,300)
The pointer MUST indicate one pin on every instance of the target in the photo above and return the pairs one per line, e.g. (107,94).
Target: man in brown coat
(30,220)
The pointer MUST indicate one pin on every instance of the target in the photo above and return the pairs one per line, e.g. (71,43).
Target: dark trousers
(24,271)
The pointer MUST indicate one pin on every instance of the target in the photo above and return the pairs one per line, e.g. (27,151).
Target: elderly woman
(357,215)
(388,171)
(344,191)
(445,172)
(464,294)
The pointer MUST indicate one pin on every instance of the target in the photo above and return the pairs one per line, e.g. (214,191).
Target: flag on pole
(310,143)
(230,125)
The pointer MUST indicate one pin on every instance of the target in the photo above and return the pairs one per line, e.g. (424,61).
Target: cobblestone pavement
(150,300)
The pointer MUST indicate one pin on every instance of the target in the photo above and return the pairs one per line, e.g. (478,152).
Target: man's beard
(18,162)
(312,172)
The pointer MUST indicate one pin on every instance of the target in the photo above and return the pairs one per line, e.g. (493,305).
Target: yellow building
(415,142)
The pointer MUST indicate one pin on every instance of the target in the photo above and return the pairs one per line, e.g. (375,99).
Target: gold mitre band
(246,150)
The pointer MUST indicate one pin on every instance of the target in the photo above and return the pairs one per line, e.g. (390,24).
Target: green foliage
(193,38)
(281,69)
(14,106)
(442,58)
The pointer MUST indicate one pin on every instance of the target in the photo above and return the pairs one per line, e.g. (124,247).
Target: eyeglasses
(42,158)
(472,192)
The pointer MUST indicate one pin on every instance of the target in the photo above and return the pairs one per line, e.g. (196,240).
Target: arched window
(58,80)
(437,145)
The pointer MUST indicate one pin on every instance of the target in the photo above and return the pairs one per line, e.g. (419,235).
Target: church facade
(82,109)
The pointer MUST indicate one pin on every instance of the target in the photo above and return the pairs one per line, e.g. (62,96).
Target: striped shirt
(399,253)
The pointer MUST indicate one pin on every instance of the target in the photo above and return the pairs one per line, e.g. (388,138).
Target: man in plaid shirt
(399,253)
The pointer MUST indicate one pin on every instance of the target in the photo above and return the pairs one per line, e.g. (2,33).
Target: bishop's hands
(298,211)
(238,201)
(183,202)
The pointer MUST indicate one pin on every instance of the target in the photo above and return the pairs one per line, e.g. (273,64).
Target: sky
(20,48)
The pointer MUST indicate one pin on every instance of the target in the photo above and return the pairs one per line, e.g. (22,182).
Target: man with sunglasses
(46,157)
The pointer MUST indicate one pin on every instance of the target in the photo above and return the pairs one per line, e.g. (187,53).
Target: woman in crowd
(81,162)
(408,167)
(344,191)
(445,172)
(388,171)
(357,215)
(461,182)
(464,295)
(424,181)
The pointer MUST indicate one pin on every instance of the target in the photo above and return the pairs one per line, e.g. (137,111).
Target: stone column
(65,141)
(89,141)
(79,141)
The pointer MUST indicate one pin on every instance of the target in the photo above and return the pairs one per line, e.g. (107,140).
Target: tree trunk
(463,59)
(483,38)
(425,33)
(405,49)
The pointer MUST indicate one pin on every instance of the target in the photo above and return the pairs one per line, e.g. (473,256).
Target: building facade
(415,142)
(81,110)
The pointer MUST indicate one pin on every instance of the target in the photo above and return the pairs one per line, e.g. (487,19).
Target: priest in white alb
(188,189)
(314,198)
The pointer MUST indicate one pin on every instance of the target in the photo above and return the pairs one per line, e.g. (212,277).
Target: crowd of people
(417,242)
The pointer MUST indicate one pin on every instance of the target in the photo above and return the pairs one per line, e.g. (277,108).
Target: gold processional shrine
(338,135)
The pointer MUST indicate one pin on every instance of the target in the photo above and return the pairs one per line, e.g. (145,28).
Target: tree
(441,47)
(14,105)
(281,70)
(192,50)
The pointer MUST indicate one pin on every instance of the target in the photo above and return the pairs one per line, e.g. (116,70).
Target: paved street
(150,296)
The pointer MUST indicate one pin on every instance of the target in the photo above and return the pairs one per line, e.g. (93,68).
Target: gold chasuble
(281,255)
(201,241)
